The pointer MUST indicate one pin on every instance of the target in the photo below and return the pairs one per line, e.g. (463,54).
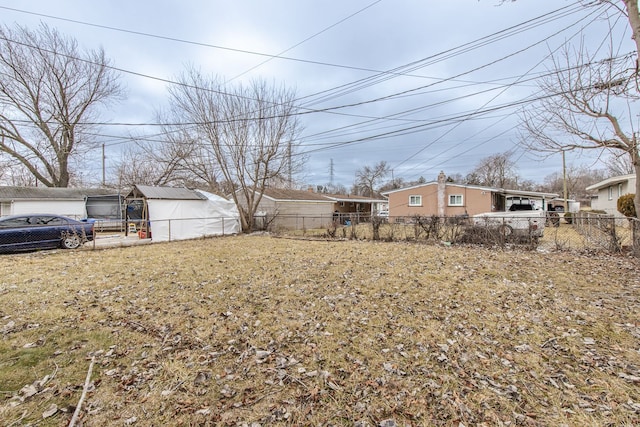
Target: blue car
(42,231)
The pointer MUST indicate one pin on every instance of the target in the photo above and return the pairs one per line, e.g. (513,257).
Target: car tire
(71,241)
(505,230)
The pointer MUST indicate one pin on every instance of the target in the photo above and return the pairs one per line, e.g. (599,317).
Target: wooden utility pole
(103,167)
(564,182)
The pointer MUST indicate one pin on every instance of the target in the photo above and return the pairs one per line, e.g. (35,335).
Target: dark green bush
(626,206)
(568,217)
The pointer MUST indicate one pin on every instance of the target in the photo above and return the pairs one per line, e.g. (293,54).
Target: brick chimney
(442,192)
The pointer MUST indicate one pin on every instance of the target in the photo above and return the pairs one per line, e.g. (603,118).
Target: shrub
(568,217)
(626,206)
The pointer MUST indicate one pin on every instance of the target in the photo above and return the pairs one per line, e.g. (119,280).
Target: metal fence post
(635,249)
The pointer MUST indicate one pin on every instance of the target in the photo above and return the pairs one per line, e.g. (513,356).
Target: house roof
(610,181)
(281,194)
(50,193)
(353,198)
(526,193)
(504,191)
(166,193)
(294,195)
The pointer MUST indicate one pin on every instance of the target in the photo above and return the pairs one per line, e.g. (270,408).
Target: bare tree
(49,91)
(250,132)
(619,164)
(189,159)
(4,170)
(14,173)
(172,158)
(497,171)
(578,178)
(587,103)
(368,177)
(139,166)
(333,189)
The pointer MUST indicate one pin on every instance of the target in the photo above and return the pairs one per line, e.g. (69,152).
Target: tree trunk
(636,199)
(634,22)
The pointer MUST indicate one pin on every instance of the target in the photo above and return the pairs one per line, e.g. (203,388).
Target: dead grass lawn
(255,329)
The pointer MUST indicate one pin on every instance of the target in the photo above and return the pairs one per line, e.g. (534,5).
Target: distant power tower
(331,172)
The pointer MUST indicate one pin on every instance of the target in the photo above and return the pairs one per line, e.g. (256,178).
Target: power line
(495,97)
(331,110)
(388,117)
(324,30)
(195,43)
(393,72)
(451,52)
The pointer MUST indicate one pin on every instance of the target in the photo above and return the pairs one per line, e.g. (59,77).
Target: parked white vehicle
(517,222)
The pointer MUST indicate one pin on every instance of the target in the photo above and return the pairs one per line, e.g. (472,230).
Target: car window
(22,221)
(49,220)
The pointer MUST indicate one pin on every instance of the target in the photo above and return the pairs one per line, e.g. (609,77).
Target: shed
(293,209)
(168,213)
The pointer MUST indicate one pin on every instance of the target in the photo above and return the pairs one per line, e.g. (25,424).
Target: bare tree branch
(368,177)
(48,89)
(498,170)
(588,107)
(249,131)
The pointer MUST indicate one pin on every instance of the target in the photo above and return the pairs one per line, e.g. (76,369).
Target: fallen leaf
(51,411)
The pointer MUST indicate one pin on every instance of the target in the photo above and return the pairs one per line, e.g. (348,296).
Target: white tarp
(190,219)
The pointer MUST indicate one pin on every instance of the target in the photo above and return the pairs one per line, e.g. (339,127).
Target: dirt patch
(253,329)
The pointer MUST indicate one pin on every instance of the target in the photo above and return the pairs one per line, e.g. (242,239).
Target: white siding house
(609,190)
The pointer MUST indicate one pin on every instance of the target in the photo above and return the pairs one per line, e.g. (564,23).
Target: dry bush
(255,329)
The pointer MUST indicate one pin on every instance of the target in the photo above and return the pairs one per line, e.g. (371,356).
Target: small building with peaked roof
(178,213)
(293,209)
(304,209)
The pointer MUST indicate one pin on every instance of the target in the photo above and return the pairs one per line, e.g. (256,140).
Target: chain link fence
(582,231)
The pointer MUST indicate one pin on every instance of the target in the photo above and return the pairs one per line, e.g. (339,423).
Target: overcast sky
(444,60)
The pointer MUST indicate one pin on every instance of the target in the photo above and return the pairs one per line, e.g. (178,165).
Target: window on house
(415,200)
(610,193)
(619,189)
(455,200)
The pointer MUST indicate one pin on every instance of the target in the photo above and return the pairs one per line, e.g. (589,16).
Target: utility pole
(564,182)
(289,165)
(103,167)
